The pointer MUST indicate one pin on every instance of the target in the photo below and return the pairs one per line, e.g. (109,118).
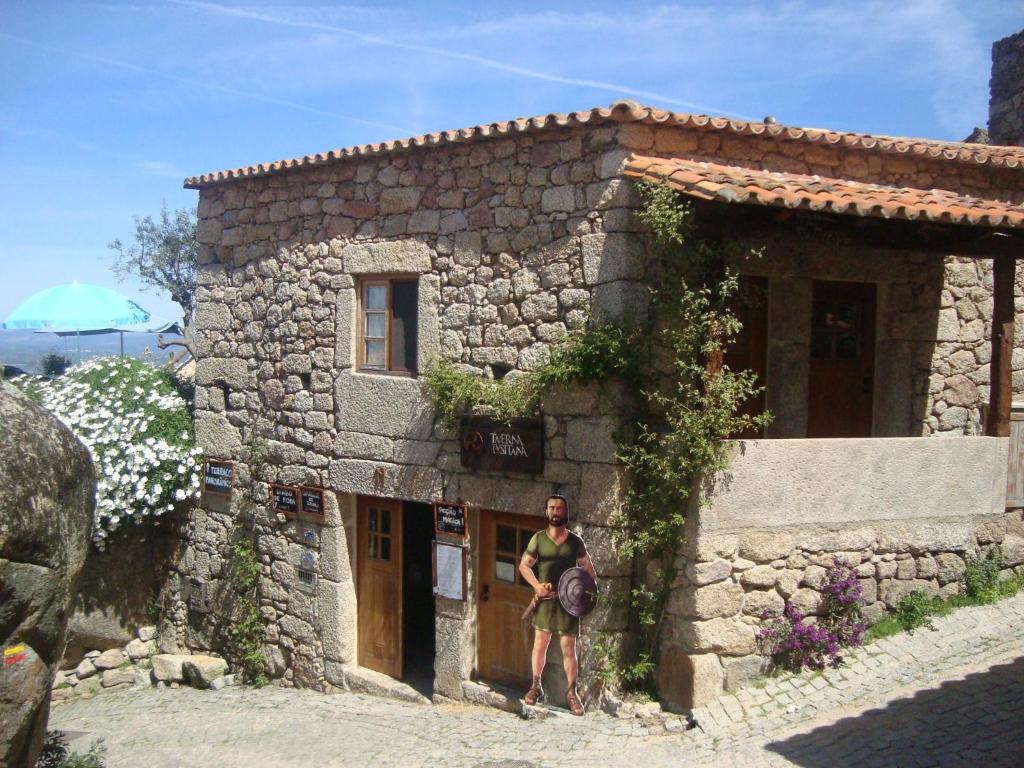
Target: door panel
(841,387)
(504,639)
(379,571)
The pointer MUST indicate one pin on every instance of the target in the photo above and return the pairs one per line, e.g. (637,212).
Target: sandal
(575,704)
(535,694)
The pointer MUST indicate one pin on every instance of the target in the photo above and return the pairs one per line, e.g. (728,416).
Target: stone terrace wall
(904,514)
(1006,88)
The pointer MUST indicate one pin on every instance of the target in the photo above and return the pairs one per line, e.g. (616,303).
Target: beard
(557,521)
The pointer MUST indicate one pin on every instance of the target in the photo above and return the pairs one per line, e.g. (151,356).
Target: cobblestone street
(949,697)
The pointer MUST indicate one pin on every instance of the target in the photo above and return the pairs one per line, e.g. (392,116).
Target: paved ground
(952,697)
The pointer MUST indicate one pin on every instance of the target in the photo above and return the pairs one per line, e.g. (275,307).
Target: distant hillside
(26,349)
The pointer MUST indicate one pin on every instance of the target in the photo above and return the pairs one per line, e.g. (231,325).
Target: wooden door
(504,640)
(379,571)
(841,386)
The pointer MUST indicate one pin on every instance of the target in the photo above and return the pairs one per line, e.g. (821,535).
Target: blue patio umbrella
(76,308)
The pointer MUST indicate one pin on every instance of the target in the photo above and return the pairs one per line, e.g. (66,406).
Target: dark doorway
(841,387)
(418,597)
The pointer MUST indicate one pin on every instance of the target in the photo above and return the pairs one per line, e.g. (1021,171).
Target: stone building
(1006,91)
(330,282)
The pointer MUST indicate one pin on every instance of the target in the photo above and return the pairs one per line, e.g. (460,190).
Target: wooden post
(1000,371)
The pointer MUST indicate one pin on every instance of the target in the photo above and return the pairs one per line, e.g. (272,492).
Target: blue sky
(105,107)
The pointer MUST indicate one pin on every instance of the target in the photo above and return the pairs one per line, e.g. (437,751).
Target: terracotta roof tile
(631,112)
(732,184)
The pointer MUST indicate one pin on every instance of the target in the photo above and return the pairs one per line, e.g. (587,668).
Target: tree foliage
(164,255)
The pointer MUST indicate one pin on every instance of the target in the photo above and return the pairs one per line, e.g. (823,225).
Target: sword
(532,607)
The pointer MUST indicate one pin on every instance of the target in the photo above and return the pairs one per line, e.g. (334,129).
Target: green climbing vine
(596,354)
(689,403)
(246,631)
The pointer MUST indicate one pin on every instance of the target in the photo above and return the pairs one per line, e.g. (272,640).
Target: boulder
(46,517)
(169,668)
(139,649)
(111,659)
(113,677)
(85,669)
(201,671)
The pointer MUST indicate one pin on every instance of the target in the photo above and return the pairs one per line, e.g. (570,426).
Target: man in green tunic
(554,550)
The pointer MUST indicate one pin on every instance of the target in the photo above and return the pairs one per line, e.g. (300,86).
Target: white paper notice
(449,571)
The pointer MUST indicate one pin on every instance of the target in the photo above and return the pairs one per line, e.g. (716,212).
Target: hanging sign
(495,446)
(285,498)
(450,519)
(219,477)
(450,571)
(312,502)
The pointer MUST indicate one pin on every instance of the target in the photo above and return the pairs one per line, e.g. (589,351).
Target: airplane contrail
(482,61)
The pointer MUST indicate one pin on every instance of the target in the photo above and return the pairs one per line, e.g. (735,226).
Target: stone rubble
(139,664)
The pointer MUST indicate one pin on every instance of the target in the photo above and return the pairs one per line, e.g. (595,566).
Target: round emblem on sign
(308,560)
(473,442)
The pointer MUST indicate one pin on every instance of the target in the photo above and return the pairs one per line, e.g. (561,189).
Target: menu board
(450,519)
(449,571)
(285,498)
(219,477)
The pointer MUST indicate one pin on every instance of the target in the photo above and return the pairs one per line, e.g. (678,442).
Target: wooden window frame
(361,314)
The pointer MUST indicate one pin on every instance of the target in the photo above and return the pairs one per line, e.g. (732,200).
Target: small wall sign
(312,503)
(219,477)
(285,498)
(197,596)
(495,446)
(450,519)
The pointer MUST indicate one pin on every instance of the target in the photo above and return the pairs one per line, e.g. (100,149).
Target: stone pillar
(1001,372)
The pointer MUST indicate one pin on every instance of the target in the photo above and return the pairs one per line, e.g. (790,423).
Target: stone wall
(731,580)
(1006,89)
(903,513)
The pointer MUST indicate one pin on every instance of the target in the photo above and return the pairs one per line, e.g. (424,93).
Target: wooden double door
(504,640)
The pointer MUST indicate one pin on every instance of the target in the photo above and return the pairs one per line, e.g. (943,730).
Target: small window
(387,325)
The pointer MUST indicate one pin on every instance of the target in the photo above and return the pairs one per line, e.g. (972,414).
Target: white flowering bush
(138,430)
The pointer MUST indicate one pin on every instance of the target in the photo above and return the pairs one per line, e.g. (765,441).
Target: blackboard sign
(285,498)
(495,446)
(313,502)
(450,519)
(219,477)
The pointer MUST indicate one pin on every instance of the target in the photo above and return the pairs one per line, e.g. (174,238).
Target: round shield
(577,592)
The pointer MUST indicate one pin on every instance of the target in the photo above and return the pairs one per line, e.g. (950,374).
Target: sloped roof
(631,112)
(733,184)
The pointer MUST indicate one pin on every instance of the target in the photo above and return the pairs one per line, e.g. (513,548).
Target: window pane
(373,547)
(505,569)
(385,521)
(373,520)
(505,538)
(376,297)
(403,326)
(525,535)
(375,325)
(385,547)
(375,354)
